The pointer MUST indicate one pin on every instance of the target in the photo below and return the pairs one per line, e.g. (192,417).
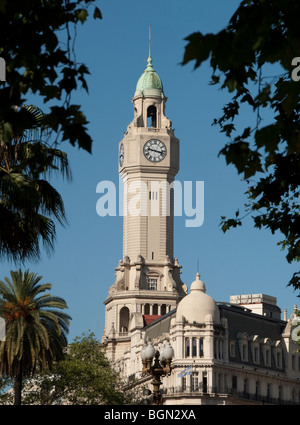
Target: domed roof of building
(197,306)
(149,83)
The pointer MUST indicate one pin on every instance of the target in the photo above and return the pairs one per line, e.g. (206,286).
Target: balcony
(229,393)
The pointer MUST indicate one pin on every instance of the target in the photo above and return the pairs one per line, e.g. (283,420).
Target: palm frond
(36,326)
(29,204)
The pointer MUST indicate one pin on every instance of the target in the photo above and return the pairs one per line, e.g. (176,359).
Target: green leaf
(268,138)
(198,48)
(81,14)
(97,13)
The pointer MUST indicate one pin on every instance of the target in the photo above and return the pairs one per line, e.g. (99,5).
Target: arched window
(243,339)
(267,351)
(255,348)
(278,355)
(151,116)
(147,309)
(124,320)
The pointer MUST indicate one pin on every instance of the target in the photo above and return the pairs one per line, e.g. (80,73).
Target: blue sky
(115,49)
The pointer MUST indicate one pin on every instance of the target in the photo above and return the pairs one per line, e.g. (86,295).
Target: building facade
(224,353)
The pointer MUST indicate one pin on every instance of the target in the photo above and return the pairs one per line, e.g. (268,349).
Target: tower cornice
(149,170)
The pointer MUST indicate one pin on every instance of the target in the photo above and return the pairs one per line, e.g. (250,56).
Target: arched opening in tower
(151,116)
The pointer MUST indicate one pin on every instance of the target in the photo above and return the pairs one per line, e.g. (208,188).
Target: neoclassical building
(236,352)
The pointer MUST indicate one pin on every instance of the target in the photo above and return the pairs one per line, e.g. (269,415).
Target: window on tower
(152,283)
(151,116)
(124,320)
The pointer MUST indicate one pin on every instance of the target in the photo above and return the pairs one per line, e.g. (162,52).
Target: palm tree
(28,202)
(35,330)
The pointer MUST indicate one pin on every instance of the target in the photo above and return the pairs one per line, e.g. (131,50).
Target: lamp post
(160,368)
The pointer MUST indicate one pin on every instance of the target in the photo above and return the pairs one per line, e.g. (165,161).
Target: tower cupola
(149,99)
(149,84)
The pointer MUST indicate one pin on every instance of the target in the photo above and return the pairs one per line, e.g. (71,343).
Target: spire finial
(149,61)
(149,41)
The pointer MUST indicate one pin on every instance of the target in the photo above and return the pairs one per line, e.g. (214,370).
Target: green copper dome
(149,83)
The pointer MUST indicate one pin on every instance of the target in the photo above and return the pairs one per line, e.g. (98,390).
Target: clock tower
(148,283)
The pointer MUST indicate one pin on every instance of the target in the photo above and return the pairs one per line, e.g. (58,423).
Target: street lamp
(160,368)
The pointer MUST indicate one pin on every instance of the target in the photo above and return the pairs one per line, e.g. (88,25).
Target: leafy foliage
(83,377)
(36,328)
(37,42)
(260,36)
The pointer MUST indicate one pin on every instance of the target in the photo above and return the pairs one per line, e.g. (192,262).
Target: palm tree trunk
(18,387)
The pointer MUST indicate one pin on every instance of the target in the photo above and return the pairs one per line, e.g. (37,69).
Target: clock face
(121,154)
(155,150)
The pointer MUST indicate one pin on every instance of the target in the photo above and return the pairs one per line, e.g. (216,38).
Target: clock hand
(154,150)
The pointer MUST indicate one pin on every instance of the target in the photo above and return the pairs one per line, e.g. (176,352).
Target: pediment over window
(255,339)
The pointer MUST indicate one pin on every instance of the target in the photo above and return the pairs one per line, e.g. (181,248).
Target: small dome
(197,305)
(149,83)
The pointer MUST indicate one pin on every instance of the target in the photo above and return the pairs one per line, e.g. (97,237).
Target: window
(194,347)
(268,392)
(124,320)
(195,382)
(201,349)
(278,355)
(234,382)
(220,349)
(232,349)
(245,392)
(267,351)
(279,359)
(256,354)
(153,196)
(255,348)
(152,283)
(268,356)
(243,339)
(244,352)
(280,392)
(257,390)
(187,347)
(204,382)
(151,116)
